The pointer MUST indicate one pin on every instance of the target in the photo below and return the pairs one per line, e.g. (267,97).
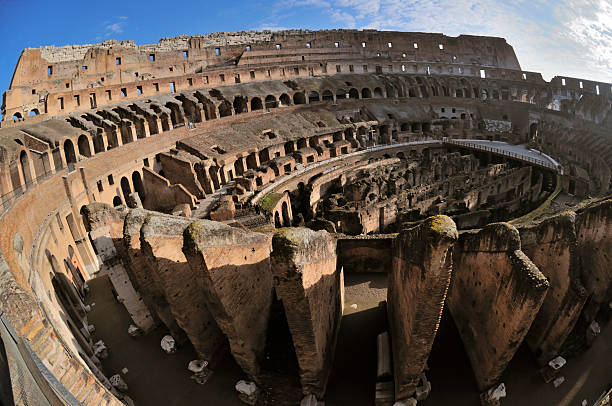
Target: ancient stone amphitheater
(355,217)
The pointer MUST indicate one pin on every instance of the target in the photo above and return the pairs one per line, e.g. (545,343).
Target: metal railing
(504,152)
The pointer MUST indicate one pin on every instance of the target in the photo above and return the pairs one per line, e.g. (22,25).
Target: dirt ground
(155,378)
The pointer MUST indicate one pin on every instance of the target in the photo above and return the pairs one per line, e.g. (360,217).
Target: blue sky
(554,37)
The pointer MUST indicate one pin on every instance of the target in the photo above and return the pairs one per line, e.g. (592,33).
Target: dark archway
(277,222)
(313,97)
(256,104)
(138,185)
(328,95)
(83,143)
(353,93)
(340,94)
(225,109)
(366,93)
(240,105)
(125,188)
(25,167)
(285,99)
(299,98)
(117,201)
(69,152)
(271,102)
(286,219)
(378,94)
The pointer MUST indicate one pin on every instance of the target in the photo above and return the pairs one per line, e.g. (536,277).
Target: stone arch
(83,144)
(240,105)
(33,112)
(286,218)
(256,104)
(69,152)
(24,163)
(271,102)
(285,100)
(225,109)
(17,116)
(378,94)
(138,185)
(117,201)
(328,95)
(366,93)
(340,94)
(299,98)
(277,221)
(125,188)
(313,97)
(390,91)
(353,93)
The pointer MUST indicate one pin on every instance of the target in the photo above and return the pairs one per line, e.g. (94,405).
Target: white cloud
(113,27)
(554,37)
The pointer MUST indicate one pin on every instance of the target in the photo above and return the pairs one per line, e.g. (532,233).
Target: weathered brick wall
(161,239)
(234,268)
(594,238)
(495,295)
(418,284)
(551,246)
(309,284)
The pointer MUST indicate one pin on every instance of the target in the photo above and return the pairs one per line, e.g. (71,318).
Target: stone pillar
(310,286)
(497,292)
(145,126)
(161,239)
(418,283)
(234,268)
(90,196)
(554,237)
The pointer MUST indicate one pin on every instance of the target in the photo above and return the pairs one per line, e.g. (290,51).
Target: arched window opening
(138,185)
(353,93)
(125,188)
(285,100)
(256,104)
(271,102)
(366,93)
(313,97)
(299,98)
(328,95)
(83,143)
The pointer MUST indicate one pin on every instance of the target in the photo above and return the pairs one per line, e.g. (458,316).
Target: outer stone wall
(495,294)
(418,284)
(310,286)
(234,268)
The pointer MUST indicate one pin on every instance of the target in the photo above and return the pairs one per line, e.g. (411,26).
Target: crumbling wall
(495,295)
(310,286)
(551,245)
(163,196)
(418,283)
(233,267)
(161,241)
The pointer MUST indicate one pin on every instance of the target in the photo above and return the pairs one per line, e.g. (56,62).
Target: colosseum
(303,218)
